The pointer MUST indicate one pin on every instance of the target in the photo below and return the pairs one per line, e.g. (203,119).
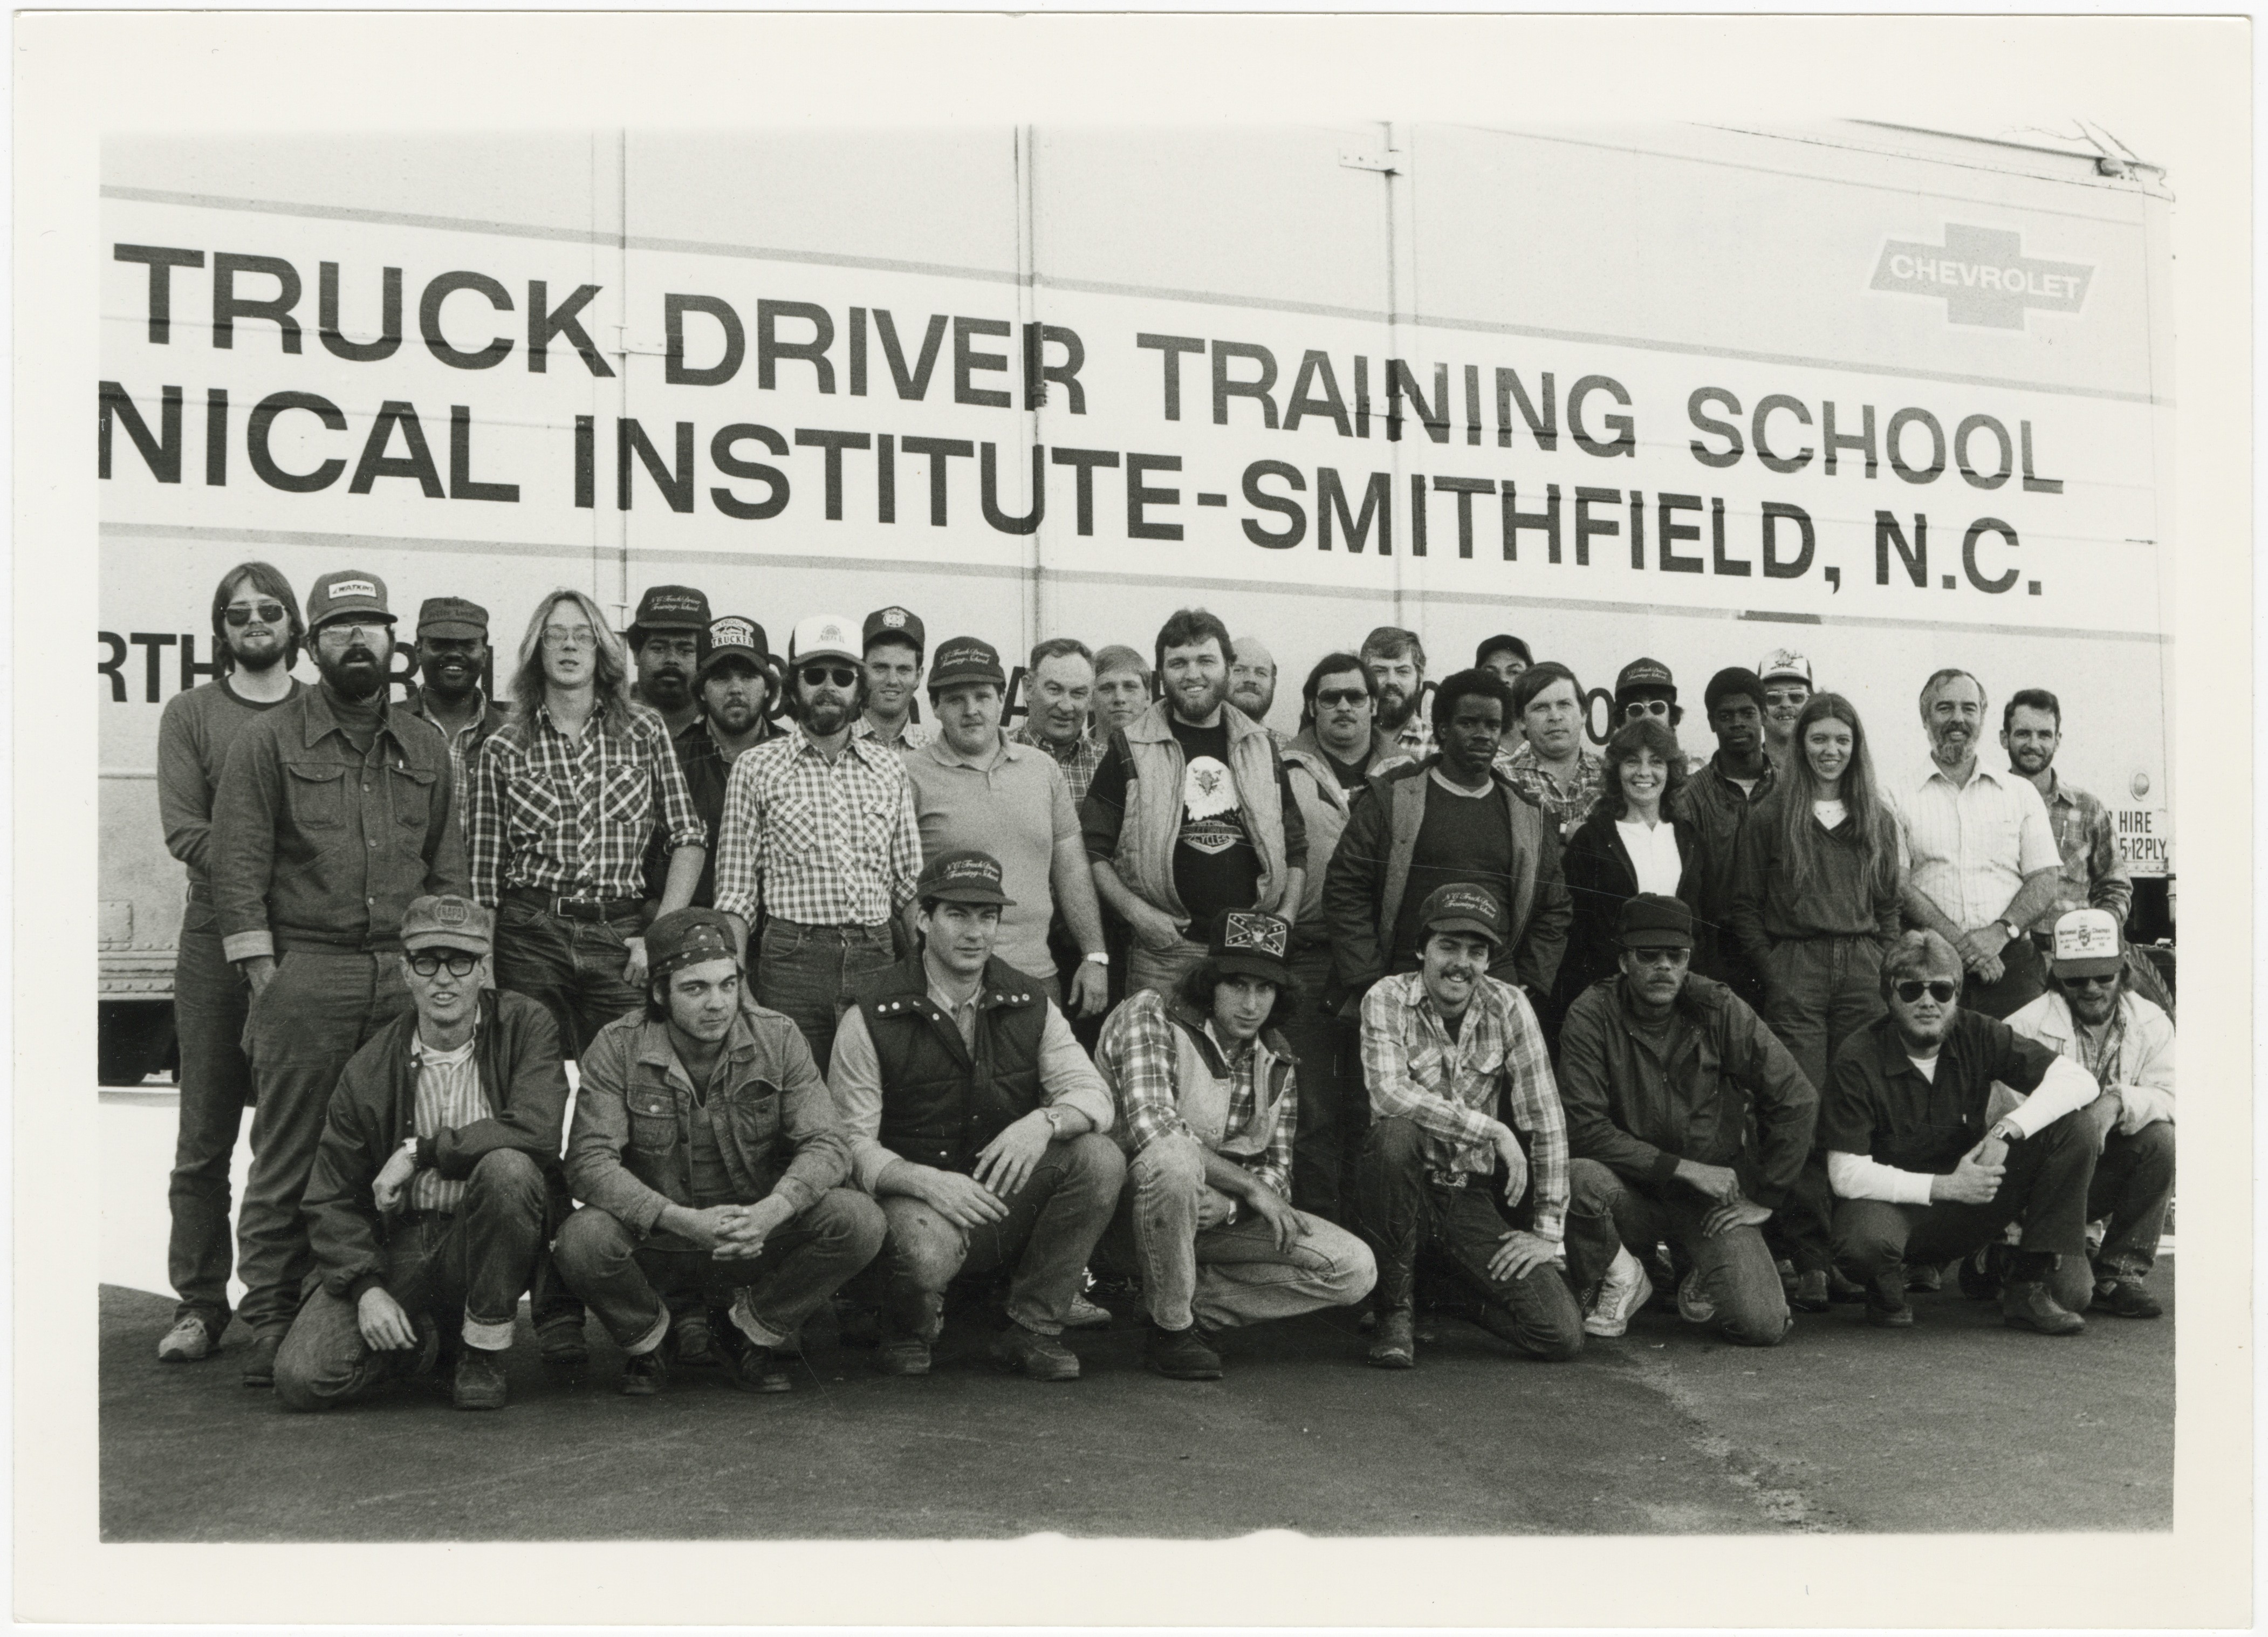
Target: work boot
(689,1335)
(479,1383)
(187,1341)
(1042,1358)
(1181,1354)
(903,1355)
(1928,1277)
(2122,1295)
(644,1374)
(2026,1305)
(1394,1342)
(260,1363)
(566,1355)
(1886,1299)
(759,1369)
(1627,1288)
(1809,1294)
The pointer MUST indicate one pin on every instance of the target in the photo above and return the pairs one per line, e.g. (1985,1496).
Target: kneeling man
(977,1121)
(1926,1173)
(1662,1074)
(1451,1055)
(436,1181)
(707,1154)
(1207,1101)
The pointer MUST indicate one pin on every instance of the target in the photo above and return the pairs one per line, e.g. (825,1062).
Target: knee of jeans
(850,1220)
(1096,1161)
(1865,1237)
(1559,1343)
(2152,1147)
(1172,1163)
(1352,1272)
(1754,1319)
(1396,1142)
(591,1243)
(924,1246)
(1592,1188)
(510,1173)
(302,1381)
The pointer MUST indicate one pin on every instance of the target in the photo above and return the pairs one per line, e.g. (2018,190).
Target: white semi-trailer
(1894,398)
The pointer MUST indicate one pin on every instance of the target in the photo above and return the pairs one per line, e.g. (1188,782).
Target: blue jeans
(812,974)
(1160,969)
(210,1000)
(573,968)
(1735,1269)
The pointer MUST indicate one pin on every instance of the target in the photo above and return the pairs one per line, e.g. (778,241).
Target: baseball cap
(1501,642)
(446,921)
(1651,920)
(344,592)
(1251,943)
(736,637)
(821,637)
(2086,944)
(669,607)
(683,937)
(1733,680)
(962,875)
(895,622)
(1783,663)
(453,616)
(1644,676)
(966,660)
(1461,907)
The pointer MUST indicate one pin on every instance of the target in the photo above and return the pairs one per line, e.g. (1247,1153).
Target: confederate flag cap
(1253,944)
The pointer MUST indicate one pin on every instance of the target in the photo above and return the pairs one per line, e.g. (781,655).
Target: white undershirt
(1927,1068)
(1654,855)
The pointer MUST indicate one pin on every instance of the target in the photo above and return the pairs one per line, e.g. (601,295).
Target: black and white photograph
(934,826)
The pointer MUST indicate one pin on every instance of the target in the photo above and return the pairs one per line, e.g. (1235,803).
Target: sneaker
(688,1333)
(2122,1296)
(1693,1304)
(2026,1305)
(187,1341)
(1809,1294)
(903,1355)
(1394,1342)
(1085,1315)
(1627,1288)
(1886,1299)
(644,1374)
(1181,1354)
(1042,1358)
(479,1383)
(1928,1278)
(260,1363)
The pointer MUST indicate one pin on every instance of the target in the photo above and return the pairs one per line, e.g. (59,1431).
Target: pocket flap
(656,1103)
(316,773)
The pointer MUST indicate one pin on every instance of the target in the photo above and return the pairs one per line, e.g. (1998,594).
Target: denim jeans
(1223,1277)
(1333,1107)
(1818,992)
(1160,969)
(1050,1232)
(573,968)
(1404,1214)
(467,1266)
(627,1277)
(2023,979)
(811,974)
(2133,1184)
(298,1033)
(1733,1268)
(209,997)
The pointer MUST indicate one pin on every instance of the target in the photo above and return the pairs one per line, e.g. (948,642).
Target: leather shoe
(903,1355)
(479,1383)
(1182,1354)
(2026,1305)
(2124,1298)
(1042,1358)
(644,1374)
(1886,1299)
(260,1363)
(1809,1294)
(1394,1343)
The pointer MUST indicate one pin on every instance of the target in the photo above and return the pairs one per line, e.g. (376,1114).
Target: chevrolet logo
(1983,275)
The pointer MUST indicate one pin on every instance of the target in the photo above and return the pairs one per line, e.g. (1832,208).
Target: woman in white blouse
(1629,845)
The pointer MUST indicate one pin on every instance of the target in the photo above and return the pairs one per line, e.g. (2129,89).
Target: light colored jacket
(1154,770)
(2142,1070)
(1324,806)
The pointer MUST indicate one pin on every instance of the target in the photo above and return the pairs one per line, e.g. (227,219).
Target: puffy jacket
(1600,879)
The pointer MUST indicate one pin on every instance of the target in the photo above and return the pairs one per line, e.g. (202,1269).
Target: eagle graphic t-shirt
(1216,866)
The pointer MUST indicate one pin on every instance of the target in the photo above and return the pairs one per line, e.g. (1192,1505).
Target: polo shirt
(1012,804)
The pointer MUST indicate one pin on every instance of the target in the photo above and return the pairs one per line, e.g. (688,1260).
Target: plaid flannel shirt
(1568,805)
(2093,875)
(826,843)
(1079,761)
(1137,1053)
(1447,1087)
(571,818)
(912,736)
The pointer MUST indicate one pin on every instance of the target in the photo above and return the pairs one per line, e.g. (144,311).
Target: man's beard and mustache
(1197,698)
(1395,707)
(2028,761)
(1254,700)
(734,713)
(669,687)
(356,674)
(829,712)
(266,658)
(1954,742)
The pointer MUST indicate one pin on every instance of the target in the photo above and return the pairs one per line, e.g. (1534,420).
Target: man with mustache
(819,836)
(1397,660)
(666,641)
(451,652)
(1925,1172)
(1252,683)
(1983,863)
(333,813)
(257,634)
(1786,678)
(893,645)
(1190,815)
(734,690)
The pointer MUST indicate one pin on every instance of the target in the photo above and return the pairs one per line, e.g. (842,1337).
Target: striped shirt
(1449,1088)
(1137,1052)
(2093,875)
(826,843)
(1567,805)
(1970,847)
(572,819)
(449,1098)
(1078,758)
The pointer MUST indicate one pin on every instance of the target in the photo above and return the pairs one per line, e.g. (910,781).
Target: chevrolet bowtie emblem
(1983,275)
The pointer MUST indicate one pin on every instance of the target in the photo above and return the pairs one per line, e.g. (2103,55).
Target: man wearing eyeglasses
(1923,1168)
(333,813)
(438,1184)
(2091,1014)
(1786,678)
(819,836)
(257,634)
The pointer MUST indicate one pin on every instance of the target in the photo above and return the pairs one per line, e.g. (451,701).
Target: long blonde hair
(610,681)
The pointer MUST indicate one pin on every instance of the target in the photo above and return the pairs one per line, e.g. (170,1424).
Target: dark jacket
(1842,903)
(1363,888)
(1721,812)
(374,1110)
(1638,1116)
(1600,879)
(943,1102)
(1878,1104)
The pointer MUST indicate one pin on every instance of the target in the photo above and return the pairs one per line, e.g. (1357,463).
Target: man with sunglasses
(438,1185)
(334,812)
(2091,1014)
(819,836)
(1786,678)
(1926,1171)
(1645,687)
(256,636)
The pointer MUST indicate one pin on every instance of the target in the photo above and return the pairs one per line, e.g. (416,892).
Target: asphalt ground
(1957,1425)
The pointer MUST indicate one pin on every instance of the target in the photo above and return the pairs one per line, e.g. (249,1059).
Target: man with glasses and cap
(451,652)
(2091,1016)
(333,813)
(978,1122)
(1459,1076)
(257,633)
(666,641)
(892,646)
(1785,676)
(438,1185)
(1925,1170)
(707,1156)
(1645,687)
(819,837)
(1208,1108)
(735,691)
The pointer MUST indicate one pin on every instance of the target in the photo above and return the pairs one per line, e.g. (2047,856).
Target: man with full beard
(451,652)
(1190,815)
(333,813)
(1397,660)
(257,634)
(735,689)
(667,640)
(1983,851)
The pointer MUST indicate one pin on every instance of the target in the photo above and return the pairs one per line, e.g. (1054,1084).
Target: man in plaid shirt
(1444,1049)
(1207,1109)
(1062,682)
(819,836)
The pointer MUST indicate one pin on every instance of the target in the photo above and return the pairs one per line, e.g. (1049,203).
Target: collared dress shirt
(1078,758)
(827,844)
(449,1098)
(1969,847)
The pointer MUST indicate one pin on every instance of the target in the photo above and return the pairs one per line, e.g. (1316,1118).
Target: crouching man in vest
(1207,1107)
(977,1121)
(707,1154)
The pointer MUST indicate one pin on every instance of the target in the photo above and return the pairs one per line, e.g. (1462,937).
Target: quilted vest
(941,1101)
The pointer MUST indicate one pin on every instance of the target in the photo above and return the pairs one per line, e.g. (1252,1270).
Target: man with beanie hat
(1717,798)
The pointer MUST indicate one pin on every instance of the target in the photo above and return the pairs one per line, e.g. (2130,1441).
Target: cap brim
(362,612)
(970,895)
(748,657)
(1656,940)
(471,943)
(1465,923)
(962,679)
(452,628)
(845,654)
(1245,963)
(2091,966)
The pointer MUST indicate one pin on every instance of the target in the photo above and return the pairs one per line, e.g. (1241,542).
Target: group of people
(865,1006)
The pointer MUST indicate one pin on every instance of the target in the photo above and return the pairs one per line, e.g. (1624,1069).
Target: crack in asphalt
(1773,1487)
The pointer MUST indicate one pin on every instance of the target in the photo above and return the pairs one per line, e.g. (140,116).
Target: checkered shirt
(1448,1088)
(1568,805)
(1415,737)
(570,819)
(2093,875)
(1078,759)
(1136,1052)
(465,743)
(828,845)
(913,737)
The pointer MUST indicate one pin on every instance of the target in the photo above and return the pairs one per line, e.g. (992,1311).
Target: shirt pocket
(654,1120)
(756,1113)
(412,791)
(623,792)
(315,794)
(533,808)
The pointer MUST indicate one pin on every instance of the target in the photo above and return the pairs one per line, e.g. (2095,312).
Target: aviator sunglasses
(268,613)
(821,675)
(1910,990)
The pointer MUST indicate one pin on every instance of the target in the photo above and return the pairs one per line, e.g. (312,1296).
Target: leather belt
(576,909)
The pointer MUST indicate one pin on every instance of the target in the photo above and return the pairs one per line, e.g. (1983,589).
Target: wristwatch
(1100,957)
(2013,930)
(1055,1126)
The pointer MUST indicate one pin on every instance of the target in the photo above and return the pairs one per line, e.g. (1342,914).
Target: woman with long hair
(1627,846)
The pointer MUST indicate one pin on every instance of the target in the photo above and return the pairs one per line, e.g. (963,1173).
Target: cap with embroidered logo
(966,660)
(1251,943)
(1644,676)
(346,592)
(1461,907)
(685,937)
(1783,663)
(2087,945)
(735,638)
(447,921)
(963,875)
(895,622)
(821,637)
(668,608)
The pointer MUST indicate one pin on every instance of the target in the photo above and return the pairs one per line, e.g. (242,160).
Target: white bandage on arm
(1857,1176)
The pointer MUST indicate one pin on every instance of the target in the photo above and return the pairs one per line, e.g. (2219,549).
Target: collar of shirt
(418,707)
(656,1049)
(1024,734)
(1589,763)
(1764,781)
(941,751)
(321,721)
(1980,773)
(864,745)
(420,1053)
(594,723)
